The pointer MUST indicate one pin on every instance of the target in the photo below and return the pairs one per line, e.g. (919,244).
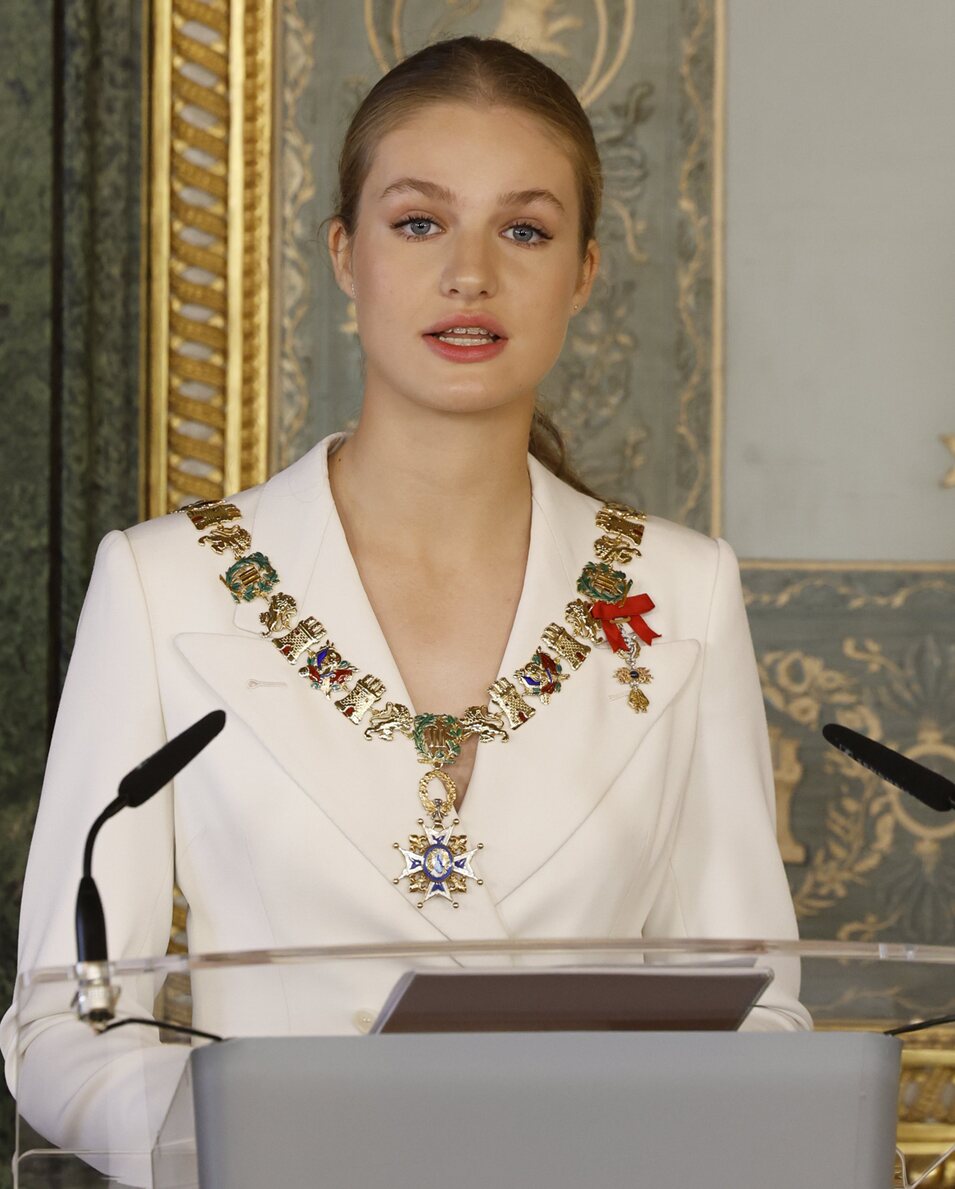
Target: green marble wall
(70,128)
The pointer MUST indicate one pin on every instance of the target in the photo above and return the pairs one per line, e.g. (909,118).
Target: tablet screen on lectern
(646,999)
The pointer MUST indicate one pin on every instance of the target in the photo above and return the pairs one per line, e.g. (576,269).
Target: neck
(407,479)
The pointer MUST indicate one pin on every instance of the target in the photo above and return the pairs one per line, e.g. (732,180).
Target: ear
(588,273)
(339,249)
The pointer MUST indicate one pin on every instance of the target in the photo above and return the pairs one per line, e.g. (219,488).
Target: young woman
(421,620)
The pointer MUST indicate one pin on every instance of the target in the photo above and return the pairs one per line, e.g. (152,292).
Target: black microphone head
(922,783)
(156,772)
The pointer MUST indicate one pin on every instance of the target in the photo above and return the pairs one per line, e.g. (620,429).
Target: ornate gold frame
(206,323)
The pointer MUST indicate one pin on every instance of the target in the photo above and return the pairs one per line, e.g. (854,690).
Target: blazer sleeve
(725,876)
(110,718)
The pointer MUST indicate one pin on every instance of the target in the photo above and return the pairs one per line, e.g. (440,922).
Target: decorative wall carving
(209,217)
(878,864)
(637,371)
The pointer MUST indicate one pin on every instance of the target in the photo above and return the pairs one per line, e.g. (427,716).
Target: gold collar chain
(438,861)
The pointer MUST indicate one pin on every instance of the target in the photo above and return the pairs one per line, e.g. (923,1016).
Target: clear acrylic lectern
(301,1093)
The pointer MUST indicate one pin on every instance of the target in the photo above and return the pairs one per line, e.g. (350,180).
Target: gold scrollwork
(528,23)
(444,805)
(863,822)
(929,747)
(788,772)
(859,832)
(855,594)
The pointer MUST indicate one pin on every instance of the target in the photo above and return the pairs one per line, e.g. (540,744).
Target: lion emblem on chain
(480,721)
(393,716)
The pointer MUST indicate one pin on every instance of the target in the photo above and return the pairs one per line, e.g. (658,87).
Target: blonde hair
(482,72)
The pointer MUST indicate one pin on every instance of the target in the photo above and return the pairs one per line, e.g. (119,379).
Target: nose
(469,270)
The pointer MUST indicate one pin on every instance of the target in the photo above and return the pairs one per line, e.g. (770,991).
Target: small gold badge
(393,716)
(614,523)
(480,721)
(564,644)
(512,705)
(635,675)
(228,536)
(615,550)
(581,622)
(603,584)
(327,670)
(437,738)
(251,577)
(306,634)
(542,676)
(279,613)
(361,697)
(202,513)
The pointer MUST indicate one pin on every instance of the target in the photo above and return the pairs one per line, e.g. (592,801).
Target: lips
(484,321)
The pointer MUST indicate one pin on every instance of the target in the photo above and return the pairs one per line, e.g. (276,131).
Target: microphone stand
(96,997)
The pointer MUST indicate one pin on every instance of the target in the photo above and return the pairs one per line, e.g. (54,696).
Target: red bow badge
(632,610)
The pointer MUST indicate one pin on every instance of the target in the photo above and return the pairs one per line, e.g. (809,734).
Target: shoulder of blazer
(172,540)
(180,577)
(677,566)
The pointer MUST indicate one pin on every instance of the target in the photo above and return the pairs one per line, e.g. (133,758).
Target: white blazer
(597,822)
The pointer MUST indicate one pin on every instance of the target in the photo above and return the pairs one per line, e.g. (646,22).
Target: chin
(465,402)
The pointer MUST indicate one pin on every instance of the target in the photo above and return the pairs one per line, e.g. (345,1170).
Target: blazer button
(363,1021)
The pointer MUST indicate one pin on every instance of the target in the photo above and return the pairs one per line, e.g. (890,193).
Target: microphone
(96,998)
(926,786)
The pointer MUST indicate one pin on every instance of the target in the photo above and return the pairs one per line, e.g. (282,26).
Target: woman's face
(444,231)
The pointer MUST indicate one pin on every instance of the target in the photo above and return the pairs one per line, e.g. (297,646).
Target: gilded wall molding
(887,587)
(207,275)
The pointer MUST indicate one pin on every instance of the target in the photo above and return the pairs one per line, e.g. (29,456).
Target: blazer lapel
(385,807)
(368,789)
(527,798)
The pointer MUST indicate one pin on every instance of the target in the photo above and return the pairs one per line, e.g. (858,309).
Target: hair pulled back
(481,72)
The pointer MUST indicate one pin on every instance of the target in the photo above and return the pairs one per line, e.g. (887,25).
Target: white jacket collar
(525,798)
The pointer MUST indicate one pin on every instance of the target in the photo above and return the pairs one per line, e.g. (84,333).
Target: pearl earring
(576,307)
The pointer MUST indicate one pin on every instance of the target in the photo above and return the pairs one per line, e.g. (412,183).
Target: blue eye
(413,221)
(531,243)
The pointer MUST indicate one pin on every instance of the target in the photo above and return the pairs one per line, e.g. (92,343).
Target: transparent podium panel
(137,1091)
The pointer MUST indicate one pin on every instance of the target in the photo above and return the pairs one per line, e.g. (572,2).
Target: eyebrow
(443,194)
